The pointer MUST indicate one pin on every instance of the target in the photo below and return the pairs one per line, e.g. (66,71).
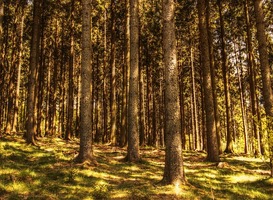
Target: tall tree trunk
(195,113)
(225,71)
(32,81)
(213,77)
(252,81)
(17,92)
(242,102)
(86,146)
(1,65)
(212,144)
(113,133)
(70,104)
(105,96)
(133,107)
(125,76)
(1,26)
(141,109)
(173,171)
(265,71)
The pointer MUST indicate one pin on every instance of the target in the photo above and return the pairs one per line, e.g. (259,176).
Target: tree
(173,171)
(212,144)
(86,148)
(265,72)
(133,107)
(70,109)
(252,80)
(113,83)
(225,71)
(32,81)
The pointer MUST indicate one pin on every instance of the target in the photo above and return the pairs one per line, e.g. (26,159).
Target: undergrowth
(49,172)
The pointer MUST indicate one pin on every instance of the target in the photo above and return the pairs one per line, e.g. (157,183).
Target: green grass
(48,172)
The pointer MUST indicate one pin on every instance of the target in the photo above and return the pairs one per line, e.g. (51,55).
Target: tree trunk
(126,65)
(32,81)
(225,72)
(113,133)
(173,171)
(212,144)
(242,102)
(133,107)
(265,72)
(17,92)
(1,65)
(252,80)
(213,77)
(105,96)
(86,148)
(70,104)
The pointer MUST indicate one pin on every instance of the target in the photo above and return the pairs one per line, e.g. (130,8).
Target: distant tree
(252,79)
(113,82)
(126,67)
(265,72)
(86,148)
(133,104)
(173,171)
(70,106)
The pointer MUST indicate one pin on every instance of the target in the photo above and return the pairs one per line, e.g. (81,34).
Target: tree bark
(173,171)
(32,81)
(252,81)
(213,77)
(17,92)
(113,101)
(86,146)
(225,72)
(126,66)
(70,104)
(212,144)
(265,72)
(133,107)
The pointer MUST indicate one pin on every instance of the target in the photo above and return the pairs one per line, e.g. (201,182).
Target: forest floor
(48,172)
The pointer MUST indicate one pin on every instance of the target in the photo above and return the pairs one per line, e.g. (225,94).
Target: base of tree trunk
(228,151)
(90,161)
(177,182)
(132,160)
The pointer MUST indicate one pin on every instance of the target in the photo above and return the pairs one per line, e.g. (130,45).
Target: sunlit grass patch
(48,172)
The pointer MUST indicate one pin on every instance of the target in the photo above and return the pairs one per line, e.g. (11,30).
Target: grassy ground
(48,172)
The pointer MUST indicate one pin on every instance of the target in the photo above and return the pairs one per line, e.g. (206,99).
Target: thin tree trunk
(70,110)
(17,94)
(195,113)
(113,132)
(104,103)
(1,65)
(242,102)
(125,77)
